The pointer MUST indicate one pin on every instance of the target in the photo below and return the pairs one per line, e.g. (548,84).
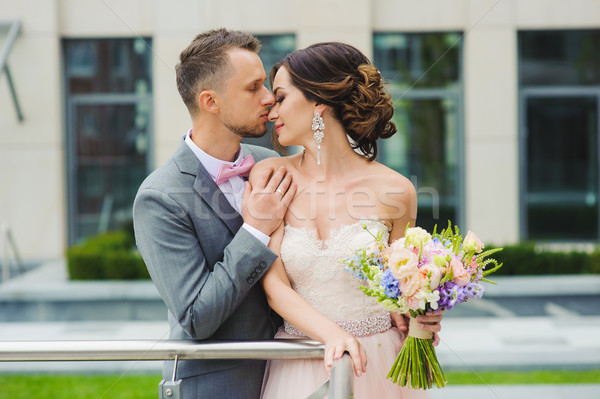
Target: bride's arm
(296,311)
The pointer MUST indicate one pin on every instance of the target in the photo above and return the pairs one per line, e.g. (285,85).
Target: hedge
(107,256)
(527,259)
(112,256)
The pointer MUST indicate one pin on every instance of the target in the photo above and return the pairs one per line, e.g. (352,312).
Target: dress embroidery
(316,273)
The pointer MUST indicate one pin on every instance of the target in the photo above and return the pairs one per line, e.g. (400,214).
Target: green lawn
(146,387)
(524,377)
(79,387)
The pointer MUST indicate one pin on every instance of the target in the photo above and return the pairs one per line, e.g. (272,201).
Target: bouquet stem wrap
(417,364)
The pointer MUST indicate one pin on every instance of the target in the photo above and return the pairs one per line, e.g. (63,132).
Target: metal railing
(7,244)
(340,383)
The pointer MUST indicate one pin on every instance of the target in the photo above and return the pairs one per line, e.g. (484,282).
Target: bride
(331,100)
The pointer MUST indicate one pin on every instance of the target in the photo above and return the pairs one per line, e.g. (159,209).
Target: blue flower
(390,285)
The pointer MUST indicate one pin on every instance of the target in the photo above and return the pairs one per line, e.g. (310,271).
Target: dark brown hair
(340,76)
(204,64)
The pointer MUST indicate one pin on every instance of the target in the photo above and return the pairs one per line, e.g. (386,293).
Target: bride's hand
(431,321)
(337,345)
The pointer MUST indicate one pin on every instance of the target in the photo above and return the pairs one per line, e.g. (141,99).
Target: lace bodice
(316,273)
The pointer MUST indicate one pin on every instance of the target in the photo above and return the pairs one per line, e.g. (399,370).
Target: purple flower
(389,283)
(452,294)
(473,290)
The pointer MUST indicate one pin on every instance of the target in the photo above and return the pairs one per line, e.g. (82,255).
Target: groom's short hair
(204,64)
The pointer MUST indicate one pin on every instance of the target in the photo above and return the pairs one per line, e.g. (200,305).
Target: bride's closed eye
(279,99)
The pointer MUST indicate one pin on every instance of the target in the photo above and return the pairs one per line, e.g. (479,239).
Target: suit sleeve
(199,296)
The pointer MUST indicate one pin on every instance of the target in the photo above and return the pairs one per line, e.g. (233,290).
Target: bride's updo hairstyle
(340,76)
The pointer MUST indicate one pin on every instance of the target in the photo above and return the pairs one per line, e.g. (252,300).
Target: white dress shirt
(233,188)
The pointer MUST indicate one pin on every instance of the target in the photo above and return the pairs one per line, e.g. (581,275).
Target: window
(559,77)
(424,71)
(108,91)
(273,49)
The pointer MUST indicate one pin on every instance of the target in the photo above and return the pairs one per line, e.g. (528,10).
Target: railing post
(340,385)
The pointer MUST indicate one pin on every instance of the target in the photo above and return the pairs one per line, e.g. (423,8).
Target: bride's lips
(278,127)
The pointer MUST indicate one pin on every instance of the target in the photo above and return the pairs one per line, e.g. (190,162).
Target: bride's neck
(336,156)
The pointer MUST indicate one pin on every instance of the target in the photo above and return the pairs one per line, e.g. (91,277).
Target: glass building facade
(424,71)
(559,88)
(108,93)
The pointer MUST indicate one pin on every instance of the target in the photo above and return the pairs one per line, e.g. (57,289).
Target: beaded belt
(358,328)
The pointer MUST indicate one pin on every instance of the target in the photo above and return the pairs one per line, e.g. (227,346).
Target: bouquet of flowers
(418,273)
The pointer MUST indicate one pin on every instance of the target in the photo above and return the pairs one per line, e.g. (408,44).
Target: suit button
(253,274)
(262,264)
(250,280)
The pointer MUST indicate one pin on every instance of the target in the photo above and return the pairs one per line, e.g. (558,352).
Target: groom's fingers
(289,195)
(262,178)
(284,184)
(276,179)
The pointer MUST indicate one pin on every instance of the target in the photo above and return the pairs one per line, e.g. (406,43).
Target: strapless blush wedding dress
(316,273)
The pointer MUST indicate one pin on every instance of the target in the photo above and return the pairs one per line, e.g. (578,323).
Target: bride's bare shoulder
(388,179)
(273,163)
(397,195)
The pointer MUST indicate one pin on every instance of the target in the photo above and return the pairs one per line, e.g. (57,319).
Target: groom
(201,229)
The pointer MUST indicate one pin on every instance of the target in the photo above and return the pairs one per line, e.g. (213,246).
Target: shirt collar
(210,163)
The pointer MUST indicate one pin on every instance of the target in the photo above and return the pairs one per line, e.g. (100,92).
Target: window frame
(456,93)
(71,102)
(547,91)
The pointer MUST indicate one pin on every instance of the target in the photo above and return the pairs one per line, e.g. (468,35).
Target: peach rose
(472,243)
(461,277)
(402,258)
(432,273)
(413,303)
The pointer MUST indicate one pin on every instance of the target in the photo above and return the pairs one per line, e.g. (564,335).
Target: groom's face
(245,101)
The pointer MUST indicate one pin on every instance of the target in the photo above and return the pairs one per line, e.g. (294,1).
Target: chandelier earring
(318,128)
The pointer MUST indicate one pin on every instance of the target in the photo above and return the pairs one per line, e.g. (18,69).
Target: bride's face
(292,113)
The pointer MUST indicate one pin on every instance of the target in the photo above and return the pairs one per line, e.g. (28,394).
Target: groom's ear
(206,101)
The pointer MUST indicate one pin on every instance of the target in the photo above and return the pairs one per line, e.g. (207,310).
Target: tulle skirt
(296,379)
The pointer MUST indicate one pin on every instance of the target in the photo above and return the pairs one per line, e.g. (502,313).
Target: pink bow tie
(243,169)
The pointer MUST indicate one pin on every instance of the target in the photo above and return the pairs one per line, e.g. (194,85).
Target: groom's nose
(268,98)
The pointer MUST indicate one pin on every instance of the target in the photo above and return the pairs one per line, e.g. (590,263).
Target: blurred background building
(497,105)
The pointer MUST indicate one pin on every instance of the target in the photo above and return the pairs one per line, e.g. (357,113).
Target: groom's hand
(266,200)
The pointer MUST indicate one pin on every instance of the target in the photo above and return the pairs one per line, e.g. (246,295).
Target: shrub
(526,259)
(107,256)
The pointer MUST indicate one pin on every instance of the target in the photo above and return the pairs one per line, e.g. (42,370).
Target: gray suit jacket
(205,267)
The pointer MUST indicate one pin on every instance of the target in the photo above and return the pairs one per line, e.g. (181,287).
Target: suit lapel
(206,188)
(214,197)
